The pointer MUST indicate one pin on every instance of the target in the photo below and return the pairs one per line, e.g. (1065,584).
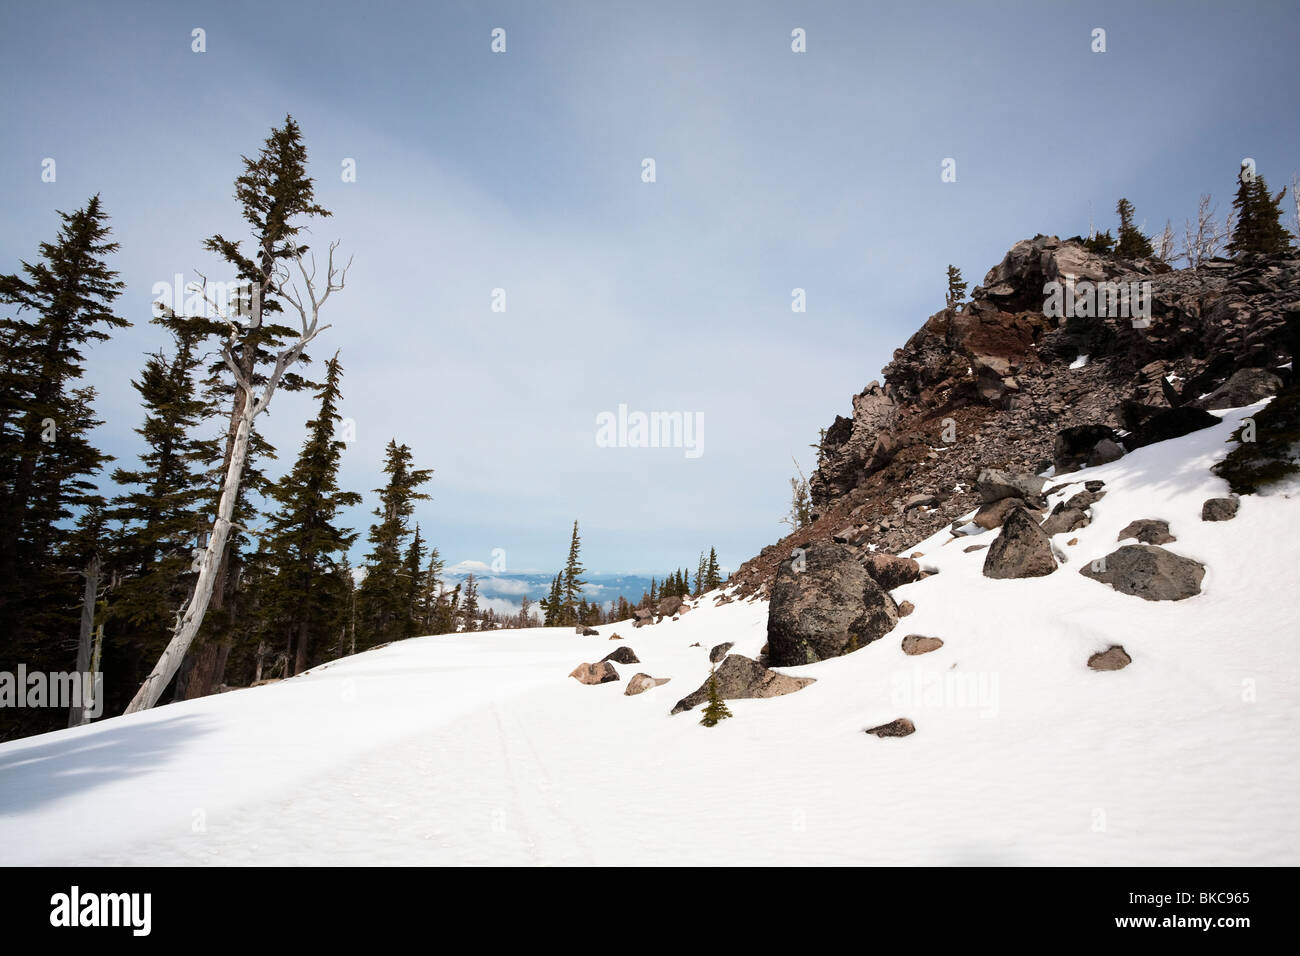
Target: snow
(478,749)
(1080,362)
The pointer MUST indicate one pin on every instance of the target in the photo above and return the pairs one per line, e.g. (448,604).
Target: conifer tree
(469,607)
(61,303)
(956,287)
(712,572)
(1132,243)
(717,707)
(572,580)
(383,598)
(1259,217)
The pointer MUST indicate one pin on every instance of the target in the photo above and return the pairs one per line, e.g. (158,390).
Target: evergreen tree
(1132,243)
(304,540)
(383,602)
(1259,218)
(712,573)
(1101,243)
(717,707)
(469,607)
(411,578)
(276,198)
(956,287)
(46,459)
(572,580)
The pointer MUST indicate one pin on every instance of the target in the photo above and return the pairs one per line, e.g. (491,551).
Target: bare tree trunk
(91,574)
(187,627)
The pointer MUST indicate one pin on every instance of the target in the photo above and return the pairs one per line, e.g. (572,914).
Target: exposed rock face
(719,652)
(601,673)
(901,727)
(892,572)
(1245,387)
(640,683)
(621,655)
(1113,658)
(1022,550)
(1171,423)
(1220,509)
(992,384)
(739,677)
(830,607)
(915,644)
(1148,531)
(1149,572)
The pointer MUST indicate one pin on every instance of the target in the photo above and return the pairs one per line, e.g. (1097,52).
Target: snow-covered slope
(479,749)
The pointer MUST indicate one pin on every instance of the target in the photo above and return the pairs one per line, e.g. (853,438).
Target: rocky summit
(999,389)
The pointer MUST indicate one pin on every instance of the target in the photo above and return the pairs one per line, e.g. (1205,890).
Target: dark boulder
(740,678)
(1148,572)
(1220,509)
(1148,531)
(1170,423)
(621,655)
(1021,550)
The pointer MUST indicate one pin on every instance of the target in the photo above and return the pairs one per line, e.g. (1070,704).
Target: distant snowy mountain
(502,590)
(479,748)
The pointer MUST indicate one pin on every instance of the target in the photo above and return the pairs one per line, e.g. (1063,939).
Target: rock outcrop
(739,678)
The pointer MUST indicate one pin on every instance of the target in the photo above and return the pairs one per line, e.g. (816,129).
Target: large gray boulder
(1149,572)
(825,604)
(1021,550)
(993,484)
(1148,531)
(621,655)
(1220,509)
(739,678)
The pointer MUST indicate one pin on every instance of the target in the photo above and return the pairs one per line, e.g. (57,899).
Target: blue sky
(522,171)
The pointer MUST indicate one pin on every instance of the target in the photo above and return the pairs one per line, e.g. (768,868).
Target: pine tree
(469,607)
(712,572)
(383,598)
(46,459)
(1259,218)
(276,198)
(956,287)
(411,578)
(303,537)
(1132,243)
(572,580)
(717,707)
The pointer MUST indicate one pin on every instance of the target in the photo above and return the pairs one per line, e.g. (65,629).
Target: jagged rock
(973,547)
(991,515)
(739,678)
(601,673)
(915,644)
(1077,445)
(1148,572)
(621,655)
(901,727)
(918,501)
(890,571)
(640,683)
(1246,387)
(642,612)
(1021,550)
(1113,658)
(853,448)
(1220,509)
(906,608)
(1063,520)
(829,608)
(1170,423)
(1080,500)
(1148,531)
(994,485)
(719,652)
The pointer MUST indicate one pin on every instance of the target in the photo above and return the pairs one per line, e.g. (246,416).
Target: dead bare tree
(308,305)
(1201,241)
(1167,245)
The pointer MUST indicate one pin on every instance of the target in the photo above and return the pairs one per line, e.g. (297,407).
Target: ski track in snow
(478,749)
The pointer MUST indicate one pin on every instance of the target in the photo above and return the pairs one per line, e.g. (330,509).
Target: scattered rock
(719,652)
(1104,452)
(1148,531)
(991,515)
(1021,550)
(615,637)
(1078,445)
(973,547)
(642,622)
(1081,500)
(668,606)
(1148,572)
(831,607)
(738,678)
(1220,509)
(1066,519)
(1072,542)
(915,644)
(906,608)
(640,683)
(1245,387)
(891,572)
(621,655)
(642,613)
(918,501)
(601,673)
(901,727)
(1113,658)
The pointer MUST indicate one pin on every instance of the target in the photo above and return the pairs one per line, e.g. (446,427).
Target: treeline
(73,559)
